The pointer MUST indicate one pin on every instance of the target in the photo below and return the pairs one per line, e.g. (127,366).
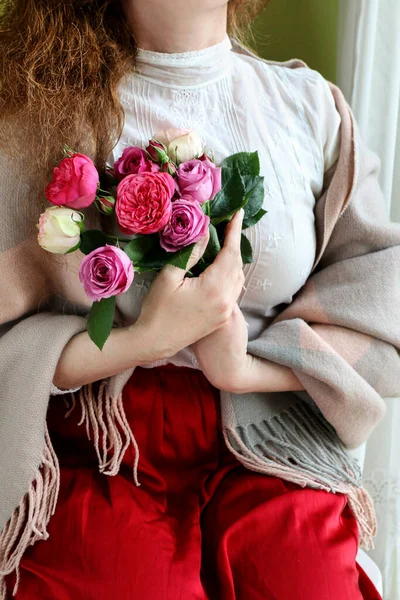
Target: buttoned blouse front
(239,103)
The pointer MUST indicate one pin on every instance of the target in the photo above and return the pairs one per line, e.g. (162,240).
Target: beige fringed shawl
(340,335)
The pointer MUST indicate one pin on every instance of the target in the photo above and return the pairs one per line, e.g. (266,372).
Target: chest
(230,120)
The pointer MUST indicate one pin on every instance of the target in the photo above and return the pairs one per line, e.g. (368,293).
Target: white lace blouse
(239,103)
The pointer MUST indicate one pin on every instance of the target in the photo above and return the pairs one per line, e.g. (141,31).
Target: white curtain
(369,75)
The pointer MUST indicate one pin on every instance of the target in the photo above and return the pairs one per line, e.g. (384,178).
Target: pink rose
(204,156)
(188,224)
(200,179)
(74,184)
(106,272)
(144,202)
(133,161)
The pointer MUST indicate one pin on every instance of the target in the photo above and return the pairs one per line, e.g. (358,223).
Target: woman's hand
(178,311)
(222,355)
(223,359)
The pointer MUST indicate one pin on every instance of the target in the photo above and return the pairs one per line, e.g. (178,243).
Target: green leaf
(100,321)
(228,201)
(246,250)
(247,163)
(254,187)
(213,246)
(92,239)
(206,207)
(138,248)
(154,260)
(81,224)
(180,259)
(250,221)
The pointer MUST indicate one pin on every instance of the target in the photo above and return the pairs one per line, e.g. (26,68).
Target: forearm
(264,376)
(81,362)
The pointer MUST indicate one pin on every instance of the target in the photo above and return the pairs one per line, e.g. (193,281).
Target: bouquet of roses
(164,199)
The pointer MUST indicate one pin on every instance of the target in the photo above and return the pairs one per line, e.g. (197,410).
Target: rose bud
(144,202)
(134,160)
(187,225)
(74,184)
(199,179)
(106,272)
(169,167)
(205,157)
(105,204)
(157,151)
(59,229)
(186,147)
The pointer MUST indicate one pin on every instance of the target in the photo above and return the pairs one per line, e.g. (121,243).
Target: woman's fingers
(228,262)
(198,251)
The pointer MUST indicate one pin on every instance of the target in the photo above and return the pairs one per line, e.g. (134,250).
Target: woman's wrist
(260,375)
(147,345)
(81,362)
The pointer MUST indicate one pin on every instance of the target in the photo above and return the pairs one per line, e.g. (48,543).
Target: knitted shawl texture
(340,336)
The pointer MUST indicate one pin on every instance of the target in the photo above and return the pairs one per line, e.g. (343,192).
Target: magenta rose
(106,272)
(200,179)
(144,202)
(74,184)
(133,161)
(188,224)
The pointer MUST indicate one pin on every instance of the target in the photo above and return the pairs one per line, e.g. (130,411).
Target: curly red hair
(61,62)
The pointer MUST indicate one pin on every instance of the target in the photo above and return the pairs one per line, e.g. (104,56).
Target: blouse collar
(186,69)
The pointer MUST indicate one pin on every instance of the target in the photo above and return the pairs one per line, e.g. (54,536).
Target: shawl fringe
(28,523)
(297,445)
(107,426)
(300,446)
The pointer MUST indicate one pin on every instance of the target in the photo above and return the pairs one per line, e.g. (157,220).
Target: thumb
(178,274)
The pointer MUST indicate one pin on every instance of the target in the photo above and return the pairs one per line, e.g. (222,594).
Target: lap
(200,527)
(264,538)
(257,538)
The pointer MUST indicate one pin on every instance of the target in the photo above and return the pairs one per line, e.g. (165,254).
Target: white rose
(186,147)
(165,136)
(59,229)
(181,144)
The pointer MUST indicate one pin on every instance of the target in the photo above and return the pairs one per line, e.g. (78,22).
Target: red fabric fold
(200,526)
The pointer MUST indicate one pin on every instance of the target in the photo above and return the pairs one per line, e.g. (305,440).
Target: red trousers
(200,527)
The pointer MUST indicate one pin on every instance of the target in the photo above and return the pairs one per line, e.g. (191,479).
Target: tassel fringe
(105,421)
(300,446)
(29,521)
(362,506)
(106,424)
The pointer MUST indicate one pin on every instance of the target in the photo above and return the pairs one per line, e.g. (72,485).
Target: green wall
(303,29)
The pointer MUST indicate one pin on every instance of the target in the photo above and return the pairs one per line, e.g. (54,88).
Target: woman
(201,525)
